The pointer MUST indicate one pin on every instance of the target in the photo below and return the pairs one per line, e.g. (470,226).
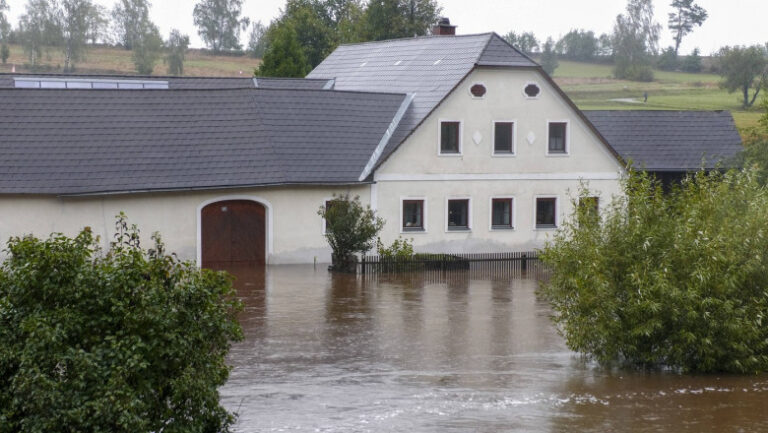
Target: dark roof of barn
(69,142)
(670,140)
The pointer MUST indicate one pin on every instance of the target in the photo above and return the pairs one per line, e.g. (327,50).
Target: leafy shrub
(127,341)
(668,60)
(401,249)
(350,228)
(676,280)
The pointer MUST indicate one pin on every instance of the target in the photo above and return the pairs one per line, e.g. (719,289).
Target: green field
(110,60)
(592,88)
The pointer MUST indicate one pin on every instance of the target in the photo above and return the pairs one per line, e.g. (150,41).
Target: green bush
(673,280)
(350,228)
(123,341)
(401,249)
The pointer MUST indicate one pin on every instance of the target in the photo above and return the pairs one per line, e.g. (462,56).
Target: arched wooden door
(233,234)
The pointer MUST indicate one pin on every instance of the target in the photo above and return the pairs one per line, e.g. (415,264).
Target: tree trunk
(346,263)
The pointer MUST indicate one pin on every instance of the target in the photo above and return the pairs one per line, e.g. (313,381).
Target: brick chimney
(444,28)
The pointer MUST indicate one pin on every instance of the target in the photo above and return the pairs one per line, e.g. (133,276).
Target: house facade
(461,143)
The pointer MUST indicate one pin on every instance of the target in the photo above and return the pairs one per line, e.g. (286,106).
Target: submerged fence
(474,265)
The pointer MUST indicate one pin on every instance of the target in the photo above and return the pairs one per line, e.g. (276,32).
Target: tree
(147,48)
(98,24)
(578,45)
(38,30)
(635,39)
(219,23)
(668,60)
(73,19)
(130,19)
(128,341)
(257,41)
(692,63)
(350,228)
(548,57)
(5,29)
(687,15)
(525,42)
(176,46)
(284,56)
(313,26)
(392,19)
(744,69)
(672,280)
(605,46)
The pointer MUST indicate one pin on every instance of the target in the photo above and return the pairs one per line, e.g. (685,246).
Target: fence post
(524,263)
(363,265)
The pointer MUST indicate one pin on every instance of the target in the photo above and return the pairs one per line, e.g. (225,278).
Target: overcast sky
(730,22)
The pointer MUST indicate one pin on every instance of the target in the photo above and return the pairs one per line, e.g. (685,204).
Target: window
(532,90)
(413,215)
(557,137)
(458,214)
(546,209)
(449,137)
(501,214)
(478,90)
(503,138)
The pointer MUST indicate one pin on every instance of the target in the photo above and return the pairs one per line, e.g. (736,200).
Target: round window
(532,90)
(478,90)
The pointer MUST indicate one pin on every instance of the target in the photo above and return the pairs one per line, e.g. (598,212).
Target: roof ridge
(413,38)
(505,42)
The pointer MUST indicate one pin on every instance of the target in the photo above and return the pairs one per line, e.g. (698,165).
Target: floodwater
(327,353)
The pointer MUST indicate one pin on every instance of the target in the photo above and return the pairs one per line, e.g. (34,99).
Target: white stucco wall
(417,170)
(295,232)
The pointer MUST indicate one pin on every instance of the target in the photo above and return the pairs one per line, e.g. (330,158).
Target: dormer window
(450,138)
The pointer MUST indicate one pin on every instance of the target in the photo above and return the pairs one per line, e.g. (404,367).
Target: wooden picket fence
(474,265)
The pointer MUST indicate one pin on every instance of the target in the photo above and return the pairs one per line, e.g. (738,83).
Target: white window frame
(469,90)
(514,139)
(440,138)
(541,90)
(469,213)
(557,212)
(513,216)
(567,138)
(424,216)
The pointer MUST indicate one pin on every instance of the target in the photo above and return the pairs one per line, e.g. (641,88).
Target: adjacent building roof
(9,81)
(670,140)
(429,67)
(68,142)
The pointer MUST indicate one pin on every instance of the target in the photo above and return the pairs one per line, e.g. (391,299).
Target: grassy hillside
(592,88)
(108,60)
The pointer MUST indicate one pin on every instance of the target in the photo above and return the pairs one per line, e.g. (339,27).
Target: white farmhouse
(460,142)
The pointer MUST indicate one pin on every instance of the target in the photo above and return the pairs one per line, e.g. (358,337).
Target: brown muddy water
(329,353)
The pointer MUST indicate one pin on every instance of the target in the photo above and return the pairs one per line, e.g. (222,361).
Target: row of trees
(633,45)
(71,25)
(308,30)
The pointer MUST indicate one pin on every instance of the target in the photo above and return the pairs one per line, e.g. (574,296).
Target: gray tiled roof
(670,140)
(99,141)
(429,67)
(293,83)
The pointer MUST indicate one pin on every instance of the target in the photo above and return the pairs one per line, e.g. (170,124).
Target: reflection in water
(415,353)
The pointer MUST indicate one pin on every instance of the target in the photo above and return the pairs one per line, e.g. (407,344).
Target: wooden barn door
(233,234)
